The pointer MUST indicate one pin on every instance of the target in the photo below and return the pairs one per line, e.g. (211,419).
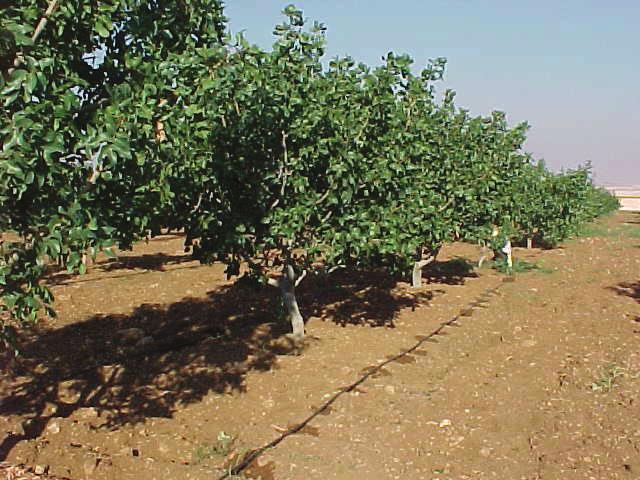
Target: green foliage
(519,266)
(608,378)
(598,230)
(80,164)
(555,206)
(125,117)
(223,446)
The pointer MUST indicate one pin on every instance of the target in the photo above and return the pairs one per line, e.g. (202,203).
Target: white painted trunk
(287,286)
(485,252)
(529,243)
(416,278)
(293,313)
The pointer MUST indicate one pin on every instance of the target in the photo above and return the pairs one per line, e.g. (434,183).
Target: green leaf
(102,28)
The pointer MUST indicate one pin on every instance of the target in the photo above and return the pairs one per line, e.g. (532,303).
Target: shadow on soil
(358,298)
(629,289)
(146,364)
(161,357)
(156,261)
(451,272)
(635,219)
(147,262)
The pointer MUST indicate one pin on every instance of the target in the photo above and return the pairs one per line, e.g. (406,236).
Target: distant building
(629,196)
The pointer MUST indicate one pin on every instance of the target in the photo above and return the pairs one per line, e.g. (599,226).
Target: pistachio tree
(80,156)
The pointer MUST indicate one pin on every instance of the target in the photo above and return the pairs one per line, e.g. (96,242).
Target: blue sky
(571,69)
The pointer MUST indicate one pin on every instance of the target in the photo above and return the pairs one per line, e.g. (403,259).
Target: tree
(79,96)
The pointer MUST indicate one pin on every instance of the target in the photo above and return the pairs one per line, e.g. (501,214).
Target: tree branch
(290,273)
(283,173)
(301,277)
(334,268)
(41,24)
(426,261)
(96,170)
(323,197)
(197,207)
(444,207)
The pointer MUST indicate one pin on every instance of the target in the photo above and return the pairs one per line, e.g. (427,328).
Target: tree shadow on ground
(635,219)
(146,364)
(147,261)
(373,298)
(450,272)
(365,298)
(141,264)
(629,289)
(159,358)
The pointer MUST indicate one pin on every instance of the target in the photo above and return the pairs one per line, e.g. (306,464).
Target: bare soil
(158,368)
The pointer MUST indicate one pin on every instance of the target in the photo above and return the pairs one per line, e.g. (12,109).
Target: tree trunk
(87,260)
(508,251)
(485,252)
(416,277)
(529,243)
(293,313)
(287,286)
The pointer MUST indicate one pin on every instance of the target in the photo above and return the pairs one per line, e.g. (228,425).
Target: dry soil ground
(157,368)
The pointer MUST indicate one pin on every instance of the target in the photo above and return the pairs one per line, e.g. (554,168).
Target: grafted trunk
(508,251)
(288,289)
(287,285)
(485,252)
(87,260)
(416,278)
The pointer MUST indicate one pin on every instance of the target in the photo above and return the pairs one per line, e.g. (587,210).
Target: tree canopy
(121,118)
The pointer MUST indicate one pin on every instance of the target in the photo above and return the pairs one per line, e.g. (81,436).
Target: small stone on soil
(69,391)
(53,427)
(41,469)
(88,412)
(485,452)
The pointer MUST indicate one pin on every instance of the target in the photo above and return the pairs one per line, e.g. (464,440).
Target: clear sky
(571,68)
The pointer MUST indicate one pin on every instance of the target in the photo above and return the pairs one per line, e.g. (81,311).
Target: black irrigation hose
(250,457)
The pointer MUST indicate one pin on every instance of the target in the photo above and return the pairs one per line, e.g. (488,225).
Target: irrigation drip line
(253,455)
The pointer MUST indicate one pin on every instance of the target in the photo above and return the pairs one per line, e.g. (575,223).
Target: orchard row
(121,118)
